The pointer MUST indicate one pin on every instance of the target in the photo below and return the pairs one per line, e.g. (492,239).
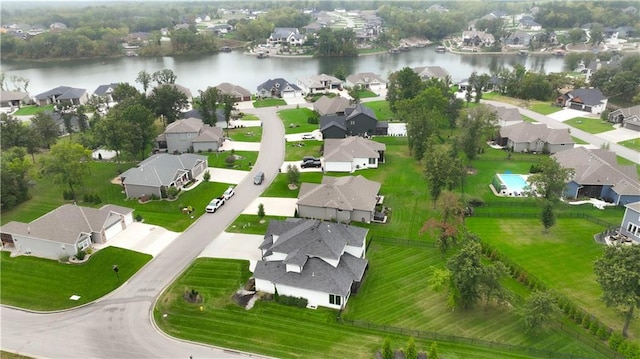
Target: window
(335,299)
(372,161)
(633,229)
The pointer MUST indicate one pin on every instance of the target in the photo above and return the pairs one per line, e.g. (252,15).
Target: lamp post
(116,270)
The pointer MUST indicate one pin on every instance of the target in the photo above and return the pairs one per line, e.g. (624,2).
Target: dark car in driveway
(311,164)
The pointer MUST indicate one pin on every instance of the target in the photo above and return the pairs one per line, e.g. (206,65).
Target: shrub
(138,217)
(67,195)
(87,198)
(603,333)
(173,191)
(89,250)
(206,176)
(80,255)
(155,197)
(97,199)
(615,340)
(312,120)
(475,202)
(230,160)
(292,301)
(593,327)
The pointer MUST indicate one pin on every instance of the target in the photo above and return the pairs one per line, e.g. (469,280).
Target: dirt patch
(117,180)
(472,171)
(293,187)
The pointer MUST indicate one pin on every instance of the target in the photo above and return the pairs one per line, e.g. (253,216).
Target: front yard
(243,159)
(632,144)
(296,120)
(43,284)
(245,134)
(269,102)
(591,125)
(295,151)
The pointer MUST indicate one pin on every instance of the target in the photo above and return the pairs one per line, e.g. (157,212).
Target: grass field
(32,110)
(244,159)
(366,94)
(381,109)
(544,108)
(269,102)
(250,224)
(295,120)
(563,258)
(280,186)
(632,144)
(295,151)
(8,355)
(245,134)
(43,284)
(591,125)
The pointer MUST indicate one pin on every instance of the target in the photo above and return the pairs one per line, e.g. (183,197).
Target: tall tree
(12,131)
(144,79)
(411,352)
(14,169)
(293,174)
(67,118)
(167,101)
(404,84)
(552,180)
(538,310)
(209,100)
(112,132)
(442,170)
(618,273)
(125,91)
(140,128)
(163,77)
(354,92)
(228,103)
(46,128)
(68,164)
(547,216)
(477,125)
(446,226)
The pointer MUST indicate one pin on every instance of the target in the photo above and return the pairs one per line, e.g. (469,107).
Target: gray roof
(185,91)
(506,115)
(161,169)
(105,89)
(600,167)
(329,106)
(343,193)
(62,92)
(333,120)
(308,243)
(346,149)
(13,95)
(633,111)
(352,112)
(278,84)
(187,125)
(233,90)
(431,71)
(635,206)
(280,33)
(364,78)
(531,132)
(589,97)
(209,134)
(67,223)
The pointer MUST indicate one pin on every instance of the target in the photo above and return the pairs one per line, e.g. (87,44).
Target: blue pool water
(514,182)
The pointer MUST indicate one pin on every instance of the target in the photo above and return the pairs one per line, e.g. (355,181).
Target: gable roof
(105,89)
(279,84)
(62,92)
(343,193)
(365,78)
(635,206)
(187,125)
(506,115)
(233,90)
(209,134)
(67,222)
(161,169)
(308,243)
(633,111)
(13,95)
(282,33)
(431,71)
(589,97)
(531,132)
(352,112)
(347,149)
(326,105)
(333,120)
(600,167)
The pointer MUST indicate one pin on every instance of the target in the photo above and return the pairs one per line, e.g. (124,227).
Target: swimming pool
(510,184)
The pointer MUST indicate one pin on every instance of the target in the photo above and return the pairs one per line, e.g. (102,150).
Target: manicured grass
(544,108)
(315,96)
(43,284)
(632,144)
(295,120)
(562,258)
(528,119)
(250,117)
(8,355)
(295,151)
(366,94)
(579,141)
(32,110)
(280,186)
(245,134)
(625,162)
(250,224)
(269,102)
(381,109)
(591,125)
(244,159)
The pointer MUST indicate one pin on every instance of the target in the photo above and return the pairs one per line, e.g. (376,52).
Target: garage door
(114,229)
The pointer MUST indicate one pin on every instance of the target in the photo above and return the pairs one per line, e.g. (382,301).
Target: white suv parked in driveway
(229,193)
(215,203)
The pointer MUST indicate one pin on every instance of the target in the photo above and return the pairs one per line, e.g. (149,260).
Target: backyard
(44,284)
(32,110)
(296,120)
(381,109)
(591,125)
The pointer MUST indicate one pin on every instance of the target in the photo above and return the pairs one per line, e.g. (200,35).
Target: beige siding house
(190,134)
(534,137)
(352,153)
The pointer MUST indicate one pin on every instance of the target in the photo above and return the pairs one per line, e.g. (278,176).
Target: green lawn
(9,355)
(244,159)
(280,186)
(381,109)
(563,258)
(269,102)
(544,108)
(295,120)
(591,125)
(632,144)
(295,151)
(528,119)
(249,117)
(245,134)
(579,141)
(366,94)
(250,224)
(32,110)
(43,284)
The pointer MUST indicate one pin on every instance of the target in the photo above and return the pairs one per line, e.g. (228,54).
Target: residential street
(119,325)
(595,140)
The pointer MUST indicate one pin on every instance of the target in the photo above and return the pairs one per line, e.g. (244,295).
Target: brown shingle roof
(344,193)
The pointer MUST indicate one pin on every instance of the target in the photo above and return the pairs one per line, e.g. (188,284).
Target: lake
(200,72)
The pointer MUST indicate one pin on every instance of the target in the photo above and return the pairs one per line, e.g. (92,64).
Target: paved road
(621,151)
(119,325)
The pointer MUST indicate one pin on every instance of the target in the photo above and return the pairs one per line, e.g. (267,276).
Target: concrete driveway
(226,175)
(245,123)
(296,101)
(286,164)
(298,136)
(143,238)
(567,114)
(229,145)
(235,246)
(619,135)
(273,206)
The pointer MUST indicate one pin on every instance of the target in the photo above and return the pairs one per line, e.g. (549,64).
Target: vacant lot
(295,120)
(245,134)
(43,284)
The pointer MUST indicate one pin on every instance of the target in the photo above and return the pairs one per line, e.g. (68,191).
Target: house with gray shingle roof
(534,137)
(157,173)
(65,230)
(63,95)
(104,91)
(629,117)
(427,72)
(331,105)
(13,98)
(286,35)
(367,81)
(584,99)
(507,116)
(352,153)
(631,222)
(278,88)
(322,262)
(342,199)
(359,120)
(319,83)
(597,174)
(190,134)
(239,93)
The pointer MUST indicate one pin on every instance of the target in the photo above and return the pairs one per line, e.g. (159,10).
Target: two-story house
(356,121)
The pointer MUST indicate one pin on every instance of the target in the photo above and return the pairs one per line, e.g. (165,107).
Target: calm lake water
(200,72)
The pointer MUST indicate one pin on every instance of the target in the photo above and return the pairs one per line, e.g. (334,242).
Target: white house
(278,88)
(322,262)
(352,153)
(584,99)
(190,134)
(286,35)
(65,230)
(367,81)
(319,83)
